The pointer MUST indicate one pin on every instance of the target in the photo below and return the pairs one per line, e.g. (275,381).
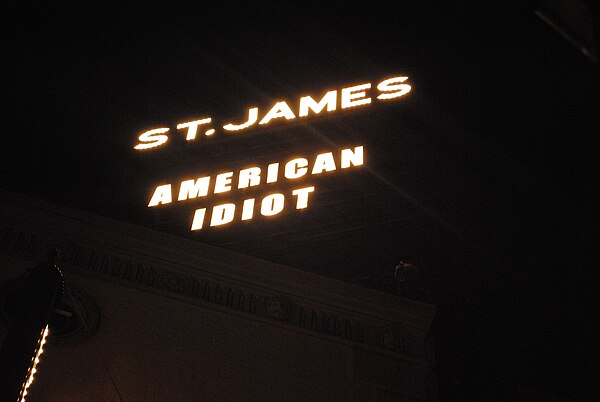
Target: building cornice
(91,245)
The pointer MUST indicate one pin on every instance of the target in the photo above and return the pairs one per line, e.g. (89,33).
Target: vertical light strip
(34,362)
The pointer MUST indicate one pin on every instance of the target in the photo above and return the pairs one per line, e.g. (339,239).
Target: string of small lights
(33,366)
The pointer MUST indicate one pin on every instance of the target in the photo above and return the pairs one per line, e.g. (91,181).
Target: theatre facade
(148,316)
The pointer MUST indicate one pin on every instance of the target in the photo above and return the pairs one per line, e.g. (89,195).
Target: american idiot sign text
(273,203)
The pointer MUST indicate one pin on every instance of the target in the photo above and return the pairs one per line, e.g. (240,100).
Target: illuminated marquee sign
(271,204)
(254,176)
(357,95)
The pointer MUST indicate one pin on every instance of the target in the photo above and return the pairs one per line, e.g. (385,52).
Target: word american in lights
(348,97)
(270,205)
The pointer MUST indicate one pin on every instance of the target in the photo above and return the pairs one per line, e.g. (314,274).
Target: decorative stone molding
(28,245)
(86,255)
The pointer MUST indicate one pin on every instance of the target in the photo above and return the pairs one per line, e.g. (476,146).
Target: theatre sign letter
(272,203)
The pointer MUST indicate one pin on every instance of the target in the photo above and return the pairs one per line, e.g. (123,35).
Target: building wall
(182,321)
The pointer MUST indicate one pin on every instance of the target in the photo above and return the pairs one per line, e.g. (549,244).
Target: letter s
(150,139)
(391,88)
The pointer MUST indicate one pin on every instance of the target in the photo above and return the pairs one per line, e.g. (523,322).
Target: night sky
(483,175)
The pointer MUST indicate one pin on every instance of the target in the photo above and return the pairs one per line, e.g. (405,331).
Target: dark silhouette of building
(146,316)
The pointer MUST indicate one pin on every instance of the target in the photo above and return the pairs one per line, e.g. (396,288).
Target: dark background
(483,176)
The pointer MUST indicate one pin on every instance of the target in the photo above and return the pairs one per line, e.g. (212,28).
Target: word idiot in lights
(270,205)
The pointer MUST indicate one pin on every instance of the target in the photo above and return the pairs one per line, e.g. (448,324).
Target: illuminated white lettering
(252,118)
(302,194)
(222,214)
(249,177)
(296,168)
(306,102)
(192,127)
(223,182)
(162,195)
(280,109)
(354,158)
(272,172)
(349,97)
(248,209)
(192,189)
(355,96)
(272,204)
(152,138)
(392,88)
(198,220)
(323,162)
